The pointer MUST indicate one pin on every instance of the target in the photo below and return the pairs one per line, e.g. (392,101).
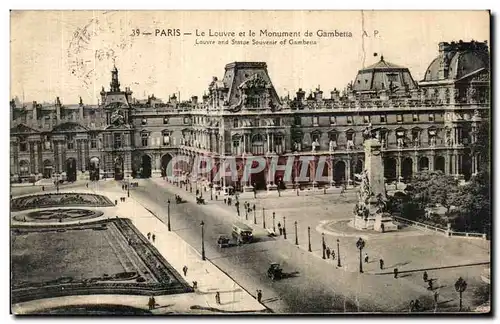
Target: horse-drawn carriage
(179,200)
(200,201)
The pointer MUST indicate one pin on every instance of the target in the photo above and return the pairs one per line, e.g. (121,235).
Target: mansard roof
(70,127)
(22,129)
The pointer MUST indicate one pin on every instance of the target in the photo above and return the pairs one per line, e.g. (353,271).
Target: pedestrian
(382,226)
(216,197)
(149,235)
(87,184)
(43,187)
(195,285)
(412,306)
(425,276)
(153,237)
(366,257)
(225,201)
(280,229)
(417,305)
(328,252)
(153,302)
(381,264)
(342,192)
(430,284)
(259,295)
(217,298)
(150,304)
(284,231)
(436,297)
(185,270)
(395,273)
(116,202)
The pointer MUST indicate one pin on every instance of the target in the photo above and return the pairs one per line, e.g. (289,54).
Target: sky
(69,54)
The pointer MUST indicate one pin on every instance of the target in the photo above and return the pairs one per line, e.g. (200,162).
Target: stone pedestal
(363,223)
(156,174)
(385,219)
(248,189)
(272,187)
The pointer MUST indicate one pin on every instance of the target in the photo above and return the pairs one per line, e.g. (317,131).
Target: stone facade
(422,125)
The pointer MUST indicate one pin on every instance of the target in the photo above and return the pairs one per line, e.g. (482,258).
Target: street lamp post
(168,215)
(360,244)
(309,237)
(323,245)
(128,186)
(296,235)
(254,216)
(460,287)
(274,221)
(284,227)
(202,224)
(263,217)
(338,253)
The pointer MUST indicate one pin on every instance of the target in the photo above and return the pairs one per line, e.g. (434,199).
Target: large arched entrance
(48,169)
(466,167)
(339,173)
(390,166)
(118,168)
(258,179)
(407,169)
(71,170)
(423,164)
(146,166)
(279,175)
(439,164)
(165,168)
(94,168)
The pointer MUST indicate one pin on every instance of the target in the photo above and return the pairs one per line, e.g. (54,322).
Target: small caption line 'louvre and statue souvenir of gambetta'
(311,175)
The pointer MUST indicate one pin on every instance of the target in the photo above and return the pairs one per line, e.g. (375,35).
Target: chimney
(80,109)
(173,99)
(335,94)
(205,98)
(300,94)
(34,113)
(194,100)
(58,110)
(318,94)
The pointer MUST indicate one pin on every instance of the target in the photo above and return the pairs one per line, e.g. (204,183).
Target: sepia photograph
(240,162)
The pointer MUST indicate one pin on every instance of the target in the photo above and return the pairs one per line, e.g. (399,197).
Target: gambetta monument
(370,211)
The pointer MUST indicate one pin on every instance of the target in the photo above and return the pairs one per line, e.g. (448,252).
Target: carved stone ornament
(117,118)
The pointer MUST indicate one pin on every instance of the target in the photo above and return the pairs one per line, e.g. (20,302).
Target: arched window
(24,168)
(144,138)
(166,137)
(279,144)
(257,144)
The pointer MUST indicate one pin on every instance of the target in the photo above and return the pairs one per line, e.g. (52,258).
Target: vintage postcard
(250,162)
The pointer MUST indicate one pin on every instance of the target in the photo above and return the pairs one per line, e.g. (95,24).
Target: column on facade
(415,163)
(33,157)
(15,154)
(459,164)
(40,157)
(330,170)
(453,165)
(268,171)
(313,165)
(62,153)
(398,167)
(431,158)
(244,149)
(268,142)
(447,162)
(272,143)
(79,157)
(474,164)
(348,170)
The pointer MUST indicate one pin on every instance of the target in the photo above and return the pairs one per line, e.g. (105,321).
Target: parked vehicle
(242,233)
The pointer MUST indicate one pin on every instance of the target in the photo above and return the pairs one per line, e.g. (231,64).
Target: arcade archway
(466,167)
(94,169)
(48,169)
(423,164)
(407,169)
(146,166)
(390,166)
(165,168)
(71,170)
(339,173)
(439,164)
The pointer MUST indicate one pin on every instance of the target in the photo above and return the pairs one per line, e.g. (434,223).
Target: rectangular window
(70,143)
(399,118)
(349,120)
(144,139)
(333,120)
(23,146)
(431,117)
(166,139)
(366,119)
(297,121)
(235,123)
(350,136)
(117,141)
(383,118)
(415,117)
(315,121)
(278,145)
(93,141)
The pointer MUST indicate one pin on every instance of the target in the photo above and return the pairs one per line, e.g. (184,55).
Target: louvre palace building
(424,125)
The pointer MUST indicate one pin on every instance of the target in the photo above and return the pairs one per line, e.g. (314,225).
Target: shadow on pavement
(217,310)
(435,268)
